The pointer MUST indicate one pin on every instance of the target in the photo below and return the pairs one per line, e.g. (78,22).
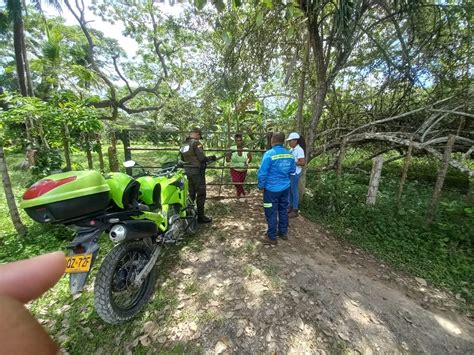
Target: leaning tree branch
(445,139)
(114,103)
(157,43)
(397,117)
(468,153)
(90,50)
(454,112)
(384,137)
(383,151)
(427,123)
(291,68)
(120,74)
(141,109)
(139,90)
(431,125)
(398,157)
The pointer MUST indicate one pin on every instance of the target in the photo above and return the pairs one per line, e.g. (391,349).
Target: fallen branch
(428,129)
(397,117)
(468,153)
(454,112)
(363,137)
(445,139)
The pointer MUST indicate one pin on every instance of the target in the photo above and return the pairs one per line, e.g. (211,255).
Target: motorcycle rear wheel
(116,298)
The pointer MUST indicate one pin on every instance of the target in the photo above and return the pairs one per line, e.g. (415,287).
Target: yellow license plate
(78,263)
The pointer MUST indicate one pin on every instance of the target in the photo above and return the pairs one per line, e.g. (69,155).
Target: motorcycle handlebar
(159,172)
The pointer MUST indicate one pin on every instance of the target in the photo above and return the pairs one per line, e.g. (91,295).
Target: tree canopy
(322,67)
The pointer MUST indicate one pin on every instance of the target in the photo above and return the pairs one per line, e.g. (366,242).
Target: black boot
(204,219)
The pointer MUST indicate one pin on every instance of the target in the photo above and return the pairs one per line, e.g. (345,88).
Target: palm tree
(13,13)
(15,216)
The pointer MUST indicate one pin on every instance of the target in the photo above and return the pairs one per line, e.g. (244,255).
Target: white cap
(293,135)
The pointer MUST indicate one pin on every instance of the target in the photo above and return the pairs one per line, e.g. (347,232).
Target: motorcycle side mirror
(129,164)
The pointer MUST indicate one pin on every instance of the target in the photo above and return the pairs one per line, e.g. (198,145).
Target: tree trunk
(42,137)
(406,165)
(470,192)
(29,138)
(268,137)
(67,153)
(299,112)
(340,158)
(112,153)
(125,136)
(90,163)
(7,187)
(318,105)
(440,180)
(29,83)
(19,60)
(374,180)
(99,152)
(229,128)
(302,185)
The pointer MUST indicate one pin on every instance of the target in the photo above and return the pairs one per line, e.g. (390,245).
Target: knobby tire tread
(103,284)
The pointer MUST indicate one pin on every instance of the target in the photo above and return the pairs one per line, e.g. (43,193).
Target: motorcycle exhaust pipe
(118,233)
(132,230)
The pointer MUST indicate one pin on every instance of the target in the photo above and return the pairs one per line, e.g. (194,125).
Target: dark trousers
(197,190)
(276,212)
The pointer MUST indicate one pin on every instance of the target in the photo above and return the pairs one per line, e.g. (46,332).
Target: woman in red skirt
(239,161)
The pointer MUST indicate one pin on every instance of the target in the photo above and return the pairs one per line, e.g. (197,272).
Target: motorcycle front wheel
(191,220)
(116,298)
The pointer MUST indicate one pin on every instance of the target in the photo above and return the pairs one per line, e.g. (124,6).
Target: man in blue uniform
(274,178)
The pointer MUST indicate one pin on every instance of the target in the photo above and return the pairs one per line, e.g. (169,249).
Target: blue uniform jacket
(277,165)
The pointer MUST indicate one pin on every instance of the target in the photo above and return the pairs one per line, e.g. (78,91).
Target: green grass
(73,322)
(76,326)
(441,253)
(271,271)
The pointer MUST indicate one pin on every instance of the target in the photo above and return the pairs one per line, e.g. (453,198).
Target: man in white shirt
(297,151)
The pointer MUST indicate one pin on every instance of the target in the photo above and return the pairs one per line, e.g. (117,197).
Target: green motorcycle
(140,214)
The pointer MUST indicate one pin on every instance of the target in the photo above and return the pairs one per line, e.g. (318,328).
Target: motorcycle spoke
(125,294)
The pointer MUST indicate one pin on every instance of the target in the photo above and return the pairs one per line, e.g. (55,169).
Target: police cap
(196,130)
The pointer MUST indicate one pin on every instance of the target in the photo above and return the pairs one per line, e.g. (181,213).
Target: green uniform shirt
(193,156)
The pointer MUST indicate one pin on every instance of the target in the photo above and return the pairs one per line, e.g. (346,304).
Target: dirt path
(310,294)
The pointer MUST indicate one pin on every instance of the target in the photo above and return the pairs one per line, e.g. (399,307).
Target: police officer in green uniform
(195,162)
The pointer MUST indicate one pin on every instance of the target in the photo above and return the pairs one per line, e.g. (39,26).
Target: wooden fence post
(112,153)
(126,144)
(90,163)
(340,158)
(374,180)
(406,165)
(67,154)
(222,176)
(470,192)
(440,180)
(99,152)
